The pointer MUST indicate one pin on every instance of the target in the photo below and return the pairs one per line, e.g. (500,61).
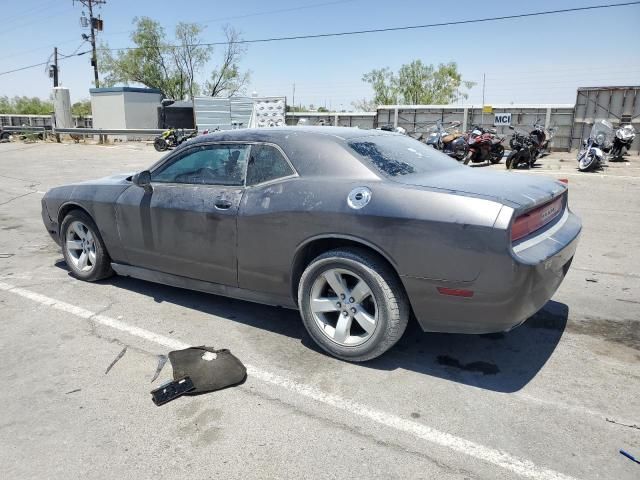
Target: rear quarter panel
(423,233)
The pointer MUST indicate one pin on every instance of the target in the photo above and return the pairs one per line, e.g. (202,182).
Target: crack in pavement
(19,196)
(354,430)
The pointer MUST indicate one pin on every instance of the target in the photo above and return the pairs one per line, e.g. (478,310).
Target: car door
(265,240)
(185,224)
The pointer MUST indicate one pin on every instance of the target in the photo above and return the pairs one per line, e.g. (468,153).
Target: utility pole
(293,100)
(96,25)
(54,67)
(482,114)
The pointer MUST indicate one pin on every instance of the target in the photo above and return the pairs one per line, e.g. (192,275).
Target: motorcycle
(484,145)
(541,138)
(448,140)
(623,139)
(593,153)
(523,149)
(171,138)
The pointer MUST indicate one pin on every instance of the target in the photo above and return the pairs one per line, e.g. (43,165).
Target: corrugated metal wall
(212,113)
(418,118)
(619,105)
(12,120)
(225,113)
(356,119)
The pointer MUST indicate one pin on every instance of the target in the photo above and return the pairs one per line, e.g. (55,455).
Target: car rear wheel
(83,248)
(352,304)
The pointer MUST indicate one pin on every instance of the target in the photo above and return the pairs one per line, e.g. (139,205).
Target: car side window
(222,164)
(266,163)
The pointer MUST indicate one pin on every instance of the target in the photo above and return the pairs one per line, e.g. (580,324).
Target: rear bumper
(505,295)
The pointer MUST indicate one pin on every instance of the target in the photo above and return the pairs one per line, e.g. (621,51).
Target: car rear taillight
(535,219)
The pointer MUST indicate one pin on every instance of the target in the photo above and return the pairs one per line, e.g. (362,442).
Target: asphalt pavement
(556,398)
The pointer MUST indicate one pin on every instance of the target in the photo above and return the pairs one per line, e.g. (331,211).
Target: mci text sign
(501,119)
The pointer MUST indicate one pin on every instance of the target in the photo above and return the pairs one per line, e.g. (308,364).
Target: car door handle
(222,204)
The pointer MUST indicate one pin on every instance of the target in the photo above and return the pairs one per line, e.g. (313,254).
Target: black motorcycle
(623,139)
(523,150)
(171,138)
(448,140)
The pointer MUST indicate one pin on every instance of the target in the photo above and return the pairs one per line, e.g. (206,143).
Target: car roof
(279,133)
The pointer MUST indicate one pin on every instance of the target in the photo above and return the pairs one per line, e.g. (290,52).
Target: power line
(409,27)
(380,30)
(43,63)
(202,22)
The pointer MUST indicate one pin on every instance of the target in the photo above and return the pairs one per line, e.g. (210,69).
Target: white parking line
(499,458)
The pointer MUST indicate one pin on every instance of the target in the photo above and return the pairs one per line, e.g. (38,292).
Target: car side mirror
(143,180)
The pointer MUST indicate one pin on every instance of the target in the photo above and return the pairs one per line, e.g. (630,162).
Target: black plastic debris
(199,370)
(171,390)
(629,456)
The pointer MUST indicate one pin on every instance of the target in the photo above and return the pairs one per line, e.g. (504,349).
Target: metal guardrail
(151,132)
(26,128)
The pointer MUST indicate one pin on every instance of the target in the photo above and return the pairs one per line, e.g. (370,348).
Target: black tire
(467,158)
(590,164)
(4,135)
(102,267)
(391,302)
(160,144)
(497,154)
(512,160)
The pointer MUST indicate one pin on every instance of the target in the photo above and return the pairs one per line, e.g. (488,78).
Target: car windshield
(396,155)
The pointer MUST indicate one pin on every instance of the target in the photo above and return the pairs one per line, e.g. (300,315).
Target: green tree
(417,84)
(25,106)
(5,105)
(81,108)
(299,108)
(227,79)
(364,105)
(174,67)
(423,84)
(384,84)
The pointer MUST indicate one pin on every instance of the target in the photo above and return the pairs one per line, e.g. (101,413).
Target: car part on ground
(200,370)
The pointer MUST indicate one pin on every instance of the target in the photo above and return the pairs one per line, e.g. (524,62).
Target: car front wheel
(83,248)
(352,304)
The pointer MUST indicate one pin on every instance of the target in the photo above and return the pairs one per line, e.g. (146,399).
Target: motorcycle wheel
(512,160)
(160,144)
(587,162)
(497,154)
(616,153)
(467,158)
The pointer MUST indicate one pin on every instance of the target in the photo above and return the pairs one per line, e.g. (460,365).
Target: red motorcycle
(484,145)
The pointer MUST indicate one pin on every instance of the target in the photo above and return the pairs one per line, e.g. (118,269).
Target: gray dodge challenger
(358,229)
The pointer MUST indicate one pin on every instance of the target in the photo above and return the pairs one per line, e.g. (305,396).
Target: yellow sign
(487,109)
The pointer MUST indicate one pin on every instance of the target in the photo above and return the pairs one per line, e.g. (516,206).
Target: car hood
(118,179)
(513,189)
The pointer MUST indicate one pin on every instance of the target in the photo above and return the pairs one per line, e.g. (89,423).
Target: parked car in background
(357,229)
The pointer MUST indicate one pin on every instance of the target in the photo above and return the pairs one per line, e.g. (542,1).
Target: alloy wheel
(81,246)
(343,307)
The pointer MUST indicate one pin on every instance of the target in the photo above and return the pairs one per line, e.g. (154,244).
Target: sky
(539,60)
